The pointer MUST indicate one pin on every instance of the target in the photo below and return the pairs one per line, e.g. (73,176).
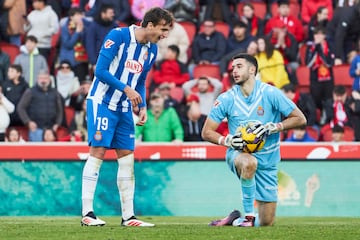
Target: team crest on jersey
(133,66)
(146,55)
(108,43)
(98,136)
(217,103)
(260,111)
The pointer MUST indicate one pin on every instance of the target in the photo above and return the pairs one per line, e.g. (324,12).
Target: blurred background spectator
(42,22)
(177,36)
(13,89)
(163,124)
(72,43)
(354,70)
(183,10)
(319,19)
(299,135)
(305,103)
(41,107)
(103,22)
(66,82)
(4,65)
(13,135)
(343,31)
(6,107)
(170,70)
(15,28)
(30,60)
(320,60)
(206,88)
(271,67)
(255,25)
(192,120)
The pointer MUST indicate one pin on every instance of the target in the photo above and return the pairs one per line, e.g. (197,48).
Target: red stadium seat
(342,76)
(210,70)
(190,29)
(177,93)
(302,54)
(303,76)
(11,49)
(69,115)
(326,133)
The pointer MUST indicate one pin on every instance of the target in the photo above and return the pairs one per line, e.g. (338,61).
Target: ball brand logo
(133,66)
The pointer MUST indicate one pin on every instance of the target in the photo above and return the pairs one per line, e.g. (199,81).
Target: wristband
(280,126)
(220,140)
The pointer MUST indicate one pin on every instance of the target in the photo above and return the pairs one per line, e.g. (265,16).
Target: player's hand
(133,96)
(260,130)
(273,127)
(235,141)
(142,117)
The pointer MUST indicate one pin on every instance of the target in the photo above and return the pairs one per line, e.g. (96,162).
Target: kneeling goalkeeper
(251,100)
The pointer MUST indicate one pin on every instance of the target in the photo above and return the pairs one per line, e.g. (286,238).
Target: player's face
(240,71)
(158,32)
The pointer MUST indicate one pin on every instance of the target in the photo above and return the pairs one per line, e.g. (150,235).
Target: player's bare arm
(209,131)
(295,119)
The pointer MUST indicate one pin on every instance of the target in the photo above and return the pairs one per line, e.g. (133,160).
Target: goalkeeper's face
(240,71)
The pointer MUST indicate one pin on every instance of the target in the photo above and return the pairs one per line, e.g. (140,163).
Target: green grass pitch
(172,228)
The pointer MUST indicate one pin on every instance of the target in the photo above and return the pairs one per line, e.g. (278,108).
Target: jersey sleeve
(281,102)
(107,55)
(218,110)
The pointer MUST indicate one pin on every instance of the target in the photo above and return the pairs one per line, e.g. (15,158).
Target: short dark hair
(17,67)
(248,58)
(339,90)
(31,38)
(74,11)
(175,49)
(337,129)
(320,29)
(290,87)
(105,6)
(156,15)
(240,24)
(283,2)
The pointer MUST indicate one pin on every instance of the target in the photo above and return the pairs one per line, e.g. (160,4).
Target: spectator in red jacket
(293,24)
(310,7)
(171,70)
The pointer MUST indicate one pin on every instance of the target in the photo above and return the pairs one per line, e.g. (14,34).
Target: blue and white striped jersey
(122,61)
(266,104)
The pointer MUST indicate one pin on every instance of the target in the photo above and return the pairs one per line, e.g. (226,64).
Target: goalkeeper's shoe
(134,222)
(91,220)
(248,221)
(227,221)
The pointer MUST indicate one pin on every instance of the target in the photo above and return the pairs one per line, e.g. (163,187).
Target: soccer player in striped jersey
(251,100)
(118,89)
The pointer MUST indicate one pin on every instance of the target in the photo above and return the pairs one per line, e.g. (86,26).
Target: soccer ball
(253,144)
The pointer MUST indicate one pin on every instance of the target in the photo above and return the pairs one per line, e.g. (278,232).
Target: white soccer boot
(91,220)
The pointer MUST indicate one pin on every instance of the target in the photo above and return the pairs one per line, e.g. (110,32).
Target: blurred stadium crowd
(310,49)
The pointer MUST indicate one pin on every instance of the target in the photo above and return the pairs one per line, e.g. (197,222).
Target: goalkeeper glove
(274,127)
(235,141)
(260,130)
